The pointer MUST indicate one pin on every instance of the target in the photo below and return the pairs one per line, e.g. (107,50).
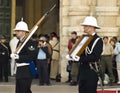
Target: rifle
(32,31)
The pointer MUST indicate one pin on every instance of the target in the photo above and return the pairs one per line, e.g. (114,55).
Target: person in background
(4,58)
(55,56)
(117,58)
(73,74)
(50,51)
(113,42)
(106,60)
(13,44)
(42,62)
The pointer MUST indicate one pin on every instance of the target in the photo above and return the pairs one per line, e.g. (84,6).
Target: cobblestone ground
(56,87)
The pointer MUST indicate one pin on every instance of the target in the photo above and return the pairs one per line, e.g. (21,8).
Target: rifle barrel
(32,31)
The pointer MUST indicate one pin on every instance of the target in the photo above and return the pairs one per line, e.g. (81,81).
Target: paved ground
(41,89)
(56,87)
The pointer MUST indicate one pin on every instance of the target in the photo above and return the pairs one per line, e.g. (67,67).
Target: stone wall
(72,13)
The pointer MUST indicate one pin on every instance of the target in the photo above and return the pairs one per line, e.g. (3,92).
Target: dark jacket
(96,53)
(87,76)
(71,42)
(27,54)
(4,52)
(45,49)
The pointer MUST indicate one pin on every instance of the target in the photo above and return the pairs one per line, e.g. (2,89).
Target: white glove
(76,58)
(14,56)
(68,57)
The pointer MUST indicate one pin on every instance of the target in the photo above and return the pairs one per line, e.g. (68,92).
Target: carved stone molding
(118,2)
(78,10)
(68,30)
(65,10)
(66,2)
(111,11)
(108,31)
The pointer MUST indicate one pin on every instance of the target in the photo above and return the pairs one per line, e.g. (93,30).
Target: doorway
(5,18)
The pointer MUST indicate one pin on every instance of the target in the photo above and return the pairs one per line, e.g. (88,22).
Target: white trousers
(54,69)
(118,71)
(13,67)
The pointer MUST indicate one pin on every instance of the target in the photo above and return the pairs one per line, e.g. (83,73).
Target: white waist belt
(21,64)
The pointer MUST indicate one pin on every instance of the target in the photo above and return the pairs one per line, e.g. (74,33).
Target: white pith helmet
(90,21)
(21,26)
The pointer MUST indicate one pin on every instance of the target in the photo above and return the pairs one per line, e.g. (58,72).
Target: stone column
(13,16)
(107,12)
(64,23)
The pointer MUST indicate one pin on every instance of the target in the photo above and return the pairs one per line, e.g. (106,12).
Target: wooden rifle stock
(80,45)
(32,31)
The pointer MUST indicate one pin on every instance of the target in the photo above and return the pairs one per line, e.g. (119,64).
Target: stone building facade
(71,14)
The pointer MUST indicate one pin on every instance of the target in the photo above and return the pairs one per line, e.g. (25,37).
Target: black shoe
(73,83)
(53,78)
(1,80)
(41,84)
(67,81)
(48,84)
(6,80)
(110,83)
